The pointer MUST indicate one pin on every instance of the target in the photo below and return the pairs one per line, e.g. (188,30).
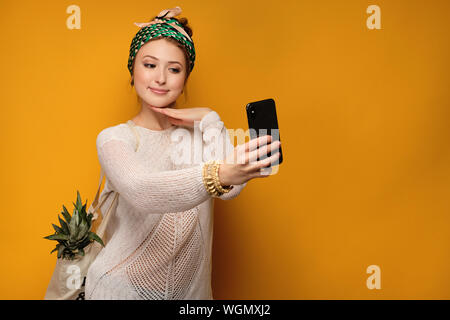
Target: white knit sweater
(159,239)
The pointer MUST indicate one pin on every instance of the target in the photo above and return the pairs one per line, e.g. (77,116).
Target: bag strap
(95,204)
(102,227)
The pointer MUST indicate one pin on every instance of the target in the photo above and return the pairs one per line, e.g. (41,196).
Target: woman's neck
(152,120)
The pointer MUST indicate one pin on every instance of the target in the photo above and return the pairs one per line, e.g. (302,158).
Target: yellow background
(364,121)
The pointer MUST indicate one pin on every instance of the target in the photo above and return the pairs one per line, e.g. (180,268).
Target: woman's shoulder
(120,132)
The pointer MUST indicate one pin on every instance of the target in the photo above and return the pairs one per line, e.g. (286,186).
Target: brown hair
(188,29)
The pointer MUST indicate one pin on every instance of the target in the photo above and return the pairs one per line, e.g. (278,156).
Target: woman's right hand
(240,166)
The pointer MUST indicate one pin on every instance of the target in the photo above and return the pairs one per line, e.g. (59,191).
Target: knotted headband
(162,25)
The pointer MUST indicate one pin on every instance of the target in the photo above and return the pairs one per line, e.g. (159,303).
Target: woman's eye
(152,66)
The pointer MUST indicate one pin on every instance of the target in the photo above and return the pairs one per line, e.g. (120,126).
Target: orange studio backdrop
(360,206)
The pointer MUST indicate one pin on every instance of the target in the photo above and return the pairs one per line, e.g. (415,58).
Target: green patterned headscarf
(162,25)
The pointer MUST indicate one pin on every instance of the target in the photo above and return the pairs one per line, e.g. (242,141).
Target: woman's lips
(159,91)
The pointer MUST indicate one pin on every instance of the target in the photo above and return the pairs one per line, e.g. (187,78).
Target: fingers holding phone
(243,163)
(260,157)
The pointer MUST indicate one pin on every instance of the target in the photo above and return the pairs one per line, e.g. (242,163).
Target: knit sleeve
(211,126)
(146,191)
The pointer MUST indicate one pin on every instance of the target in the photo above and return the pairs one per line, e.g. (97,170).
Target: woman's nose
(161,77)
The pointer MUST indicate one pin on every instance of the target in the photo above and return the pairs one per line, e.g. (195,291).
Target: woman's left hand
(183,117)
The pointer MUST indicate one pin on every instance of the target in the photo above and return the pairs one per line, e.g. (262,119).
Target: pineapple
(74,233)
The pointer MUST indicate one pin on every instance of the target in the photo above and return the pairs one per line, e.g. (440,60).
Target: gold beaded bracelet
(207,180)
(222,189)
(211,179)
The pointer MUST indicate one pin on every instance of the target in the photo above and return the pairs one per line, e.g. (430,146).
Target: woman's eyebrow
(158,59)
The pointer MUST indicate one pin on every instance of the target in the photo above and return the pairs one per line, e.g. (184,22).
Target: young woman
(160,236)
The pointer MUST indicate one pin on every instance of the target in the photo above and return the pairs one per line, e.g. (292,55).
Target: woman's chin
(158,103)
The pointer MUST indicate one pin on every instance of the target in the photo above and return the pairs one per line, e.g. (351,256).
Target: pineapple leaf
(82,216)
(72,247)
(76,215)
(85,236)
(81,251)
(61,250)
(76,208)
(89,219)
(61,241)
(58,229)
(85,242)
(83,210)
(57,237)
(66,214)
(73,226)
(56,248)
(79,204)
(95,237)
(64,225)
(84,228)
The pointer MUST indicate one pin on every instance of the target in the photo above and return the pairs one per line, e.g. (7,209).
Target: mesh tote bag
(69,276)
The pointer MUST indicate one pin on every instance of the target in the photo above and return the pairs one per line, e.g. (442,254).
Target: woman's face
(159,65)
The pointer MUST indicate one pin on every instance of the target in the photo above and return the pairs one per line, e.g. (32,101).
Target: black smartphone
(262,120)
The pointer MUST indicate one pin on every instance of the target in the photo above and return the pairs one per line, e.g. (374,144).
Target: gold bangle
(208,180)
(211,179)
(219,187)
